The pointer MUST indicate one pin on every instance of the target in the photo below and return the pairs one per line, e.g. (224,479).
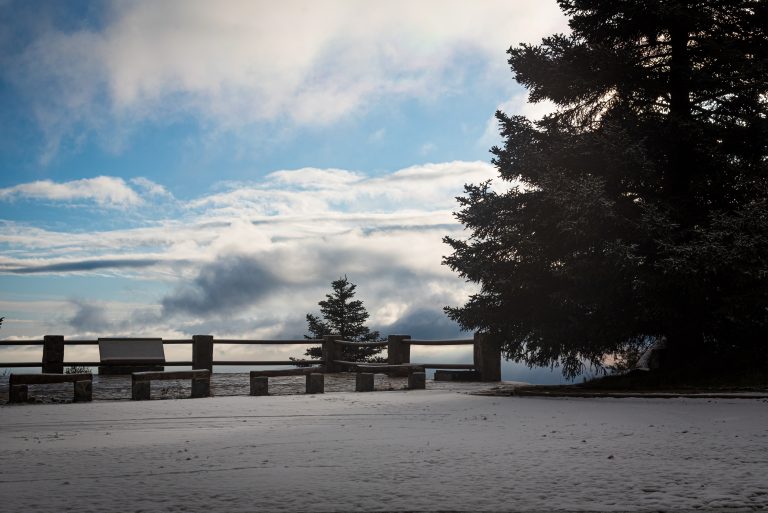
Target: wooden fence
(486,355)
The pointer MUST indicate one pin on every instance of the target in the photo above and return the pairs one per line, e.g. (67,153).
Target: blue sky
(181,167)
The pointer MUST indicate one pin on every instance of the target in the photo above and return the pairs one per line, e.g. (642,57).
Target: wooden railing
(486,354)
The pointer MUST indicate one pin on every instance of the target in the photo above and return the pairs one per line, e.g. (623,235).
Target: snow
(424,450)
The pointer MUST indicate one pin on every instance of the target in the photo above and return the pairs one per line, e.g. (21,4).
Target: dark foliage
(638,209)
(341,315)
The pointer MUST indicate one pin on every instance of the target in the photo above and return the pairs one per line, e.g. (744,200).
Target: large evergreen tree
(638,209)
(344,316)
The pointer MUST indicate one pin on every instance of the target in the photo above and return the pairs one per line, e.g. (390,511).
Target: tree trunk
(681,163)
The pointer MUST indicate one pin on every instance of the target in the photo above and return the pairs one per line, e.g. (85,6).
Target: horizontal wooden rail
(361,344)
(457,342)
(267,342)
(468,366)
(21,343)
(346,363)
(9,365)
(270,362)
(287,372)
(6,343)
(162,375)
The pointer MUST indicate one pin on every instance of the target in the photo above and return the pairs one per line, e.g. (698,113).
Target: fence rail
(457,342)
(362,344)
(486,353)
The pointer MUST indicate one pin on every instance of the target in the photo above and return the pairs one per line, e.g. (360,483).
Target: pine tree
(343,316)
(638,209)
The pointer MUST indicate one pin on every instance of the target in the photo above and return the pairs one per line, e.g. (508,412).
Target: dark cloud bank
(227,285)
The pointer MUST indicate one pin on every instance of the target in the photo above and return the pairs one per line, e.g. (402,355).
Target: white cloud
(107,191)
(238,62)
(151,188)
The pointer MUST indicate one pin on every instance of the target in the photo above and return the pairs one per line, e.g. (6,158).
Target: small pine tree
(341,315)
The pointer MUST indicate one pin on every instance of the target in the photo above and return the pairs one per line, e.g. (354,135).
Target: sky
(193,167)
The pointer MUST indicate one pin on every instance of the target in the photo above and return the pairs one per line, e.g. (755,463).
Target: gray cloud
(225,286)
(88,265)
(90,317)
(425,323)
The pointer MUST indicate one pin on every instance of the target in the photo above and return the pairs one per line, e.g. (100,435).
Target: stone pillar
(315,383)
(487,357)
(259,385)
(201,387)
(83,391)
(331,351)
(417,380)
(53,354)
(202,352)
(364,382)
(18,394)
(140,390)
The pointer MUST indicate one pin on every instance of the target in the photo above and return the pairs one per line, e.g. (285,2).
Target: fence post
(487,356)
(398,353)
(331,352)
(53,354)
(202,352)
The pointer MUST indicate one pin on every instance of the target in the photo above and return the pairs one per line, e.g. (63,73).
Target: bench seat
(315,379)
(18,390)
(141,382)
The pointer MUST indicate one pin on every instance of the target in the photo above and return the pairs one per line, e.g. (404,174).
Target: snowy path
(385,451)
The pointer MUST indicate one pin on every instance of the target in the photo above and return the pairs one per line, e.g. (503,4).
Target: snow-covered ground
(385,451)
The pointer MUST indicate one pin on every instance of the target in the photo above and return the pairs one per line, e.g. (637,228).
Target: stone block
(315,383)
(364,382)
(259,385)
(201,387)
(83,391)
(18,394)
(140,390)
(417,381)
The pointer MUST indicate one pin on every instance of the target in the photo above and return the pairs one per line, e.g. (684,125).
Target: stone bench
(417,377)
(315,379)
(141,382)
(18,390)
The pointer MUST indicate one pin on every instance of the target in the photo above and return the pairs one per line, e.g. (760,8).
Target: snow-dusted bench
(141,382)
(128,355)
(315,379)
(18,389)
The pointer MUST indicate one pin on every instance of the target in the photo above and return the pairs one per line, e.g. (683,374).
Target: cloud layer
(239,62)
(253,258)
(104,190)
